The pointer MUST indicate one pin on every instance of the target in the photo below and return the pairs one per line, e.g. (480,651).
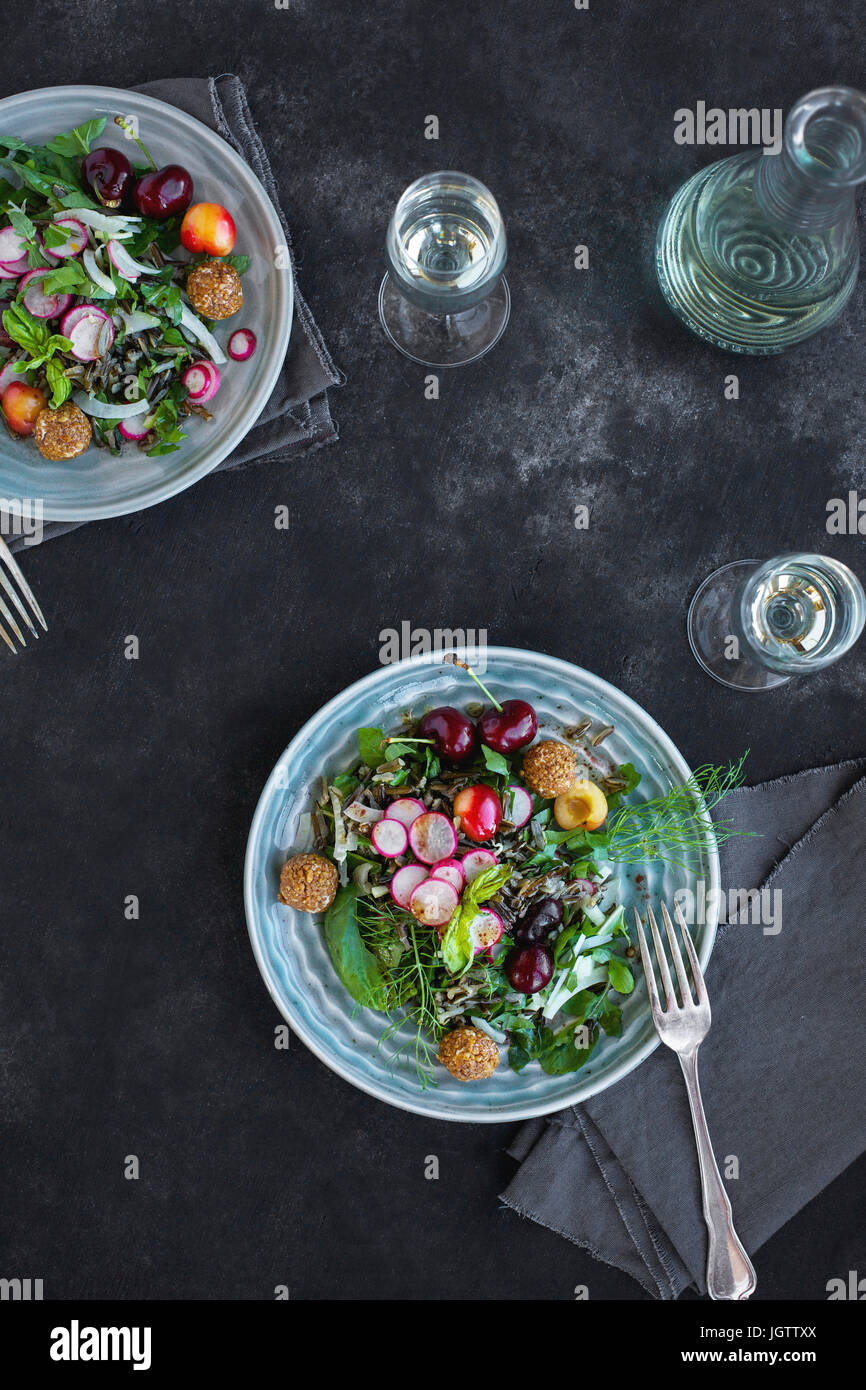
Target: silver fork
(683,1027)
(7,617)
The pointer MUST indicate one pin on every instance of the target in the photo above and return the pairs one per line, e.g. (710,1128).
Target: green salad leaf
(371,744)
(457,946)
(77,141)
(356,966)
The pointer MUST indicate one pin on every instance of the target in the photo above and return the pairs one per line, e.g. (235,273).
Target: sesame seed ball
(308,882)
(63,433)
(469,1054)
(214,290)
(549,768)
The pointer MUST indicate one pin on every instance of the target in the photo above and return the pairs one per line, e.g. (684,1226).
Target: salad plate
(291,946)
(98,483)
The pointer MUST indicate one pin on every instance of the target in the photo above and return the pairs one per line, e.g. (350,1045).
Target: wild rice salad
(462,866)
(107,332)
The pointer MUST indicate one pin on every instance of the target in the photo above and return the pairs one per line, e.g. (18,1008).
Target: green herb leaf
(60,384)
(495,761)
(77,141)
(621,978)
(356,966)
(371,746)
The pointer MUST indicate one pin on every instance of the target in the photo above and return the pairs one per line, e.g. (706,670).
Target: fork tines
(7,616)
(686,997)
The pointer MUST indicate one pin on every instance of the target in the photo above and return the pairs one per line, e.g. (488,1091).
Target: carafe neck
(809,185)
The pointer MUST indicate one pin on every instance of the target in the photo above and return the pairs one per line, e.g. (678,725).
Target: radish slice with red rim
(476,862)
(434,902)
(136,429)
(242,344)
(8,375)
(451,870)
(89,330)
(518,806)
(390,838)
(406,809)
(36,302)
(485,929)
(74,243)
(432,837)
(405,881)
(13,250)
(201,381)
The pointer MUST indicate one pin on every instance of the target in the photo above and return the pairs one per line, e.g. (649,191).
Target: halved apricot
(584,804)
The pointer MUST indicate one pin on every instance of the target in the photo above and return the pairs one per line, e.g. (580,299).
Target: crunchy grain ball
(308,882)
(63,433)
(214,290)
(469,1054)
(549,768)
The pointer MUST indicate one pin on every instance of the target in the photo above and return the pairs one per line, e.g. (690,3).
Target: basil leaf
(371,746)
(621,978)
(495,761)
(356,966)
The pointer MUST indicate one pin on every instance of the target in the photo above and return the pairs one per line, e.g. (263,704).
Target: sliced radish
(451,870)
(434,902)
(39,304)
(7,274)
(405,881)
(389,838)
(202,381)
(89,330)
(432,837)
(585,886)
(74,243)
(485,929)
(405,809)
(13,250)
(121,260)
(476,861)
(8,374)
(140,429)
(242,344)
(518,806)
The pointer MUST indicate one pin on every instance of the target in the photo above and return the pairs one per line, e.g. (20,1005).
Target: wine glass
(444,301)
(754,625)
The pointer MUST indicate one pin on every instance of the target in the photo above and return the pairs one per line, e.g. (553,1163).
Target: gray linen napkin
(296,418)
(783,1070)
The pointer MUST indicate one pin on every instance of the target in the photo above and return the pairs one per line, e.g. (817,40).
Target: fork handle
(730,1272)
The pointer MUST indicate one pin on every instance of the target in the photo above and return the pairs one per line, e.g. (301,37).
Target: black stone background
(155,1038)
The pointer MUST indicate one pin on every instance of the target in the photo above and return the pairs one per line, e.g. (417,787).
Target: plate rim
(409,1103)
(281,304)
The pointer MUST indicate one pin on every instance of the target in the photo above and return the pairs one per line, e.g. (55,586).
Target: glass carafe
(760,250)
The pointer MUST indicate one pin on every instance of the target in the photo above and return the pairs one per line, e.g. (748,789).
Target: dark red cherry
(108,175)
(538,921)
(529,968)
(163,192)
(510,728)
(453,733)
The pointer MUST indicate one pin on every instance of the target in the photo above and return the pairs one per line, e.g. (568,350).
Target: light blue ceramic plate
(97,484)
(289,946)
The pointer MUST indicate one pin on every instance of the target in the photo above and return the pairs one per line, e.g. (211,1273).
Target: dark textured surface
(155,1037)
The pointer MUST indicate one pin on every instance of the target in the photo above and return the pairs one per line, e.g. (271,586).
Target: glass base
(712,641)
(444,340)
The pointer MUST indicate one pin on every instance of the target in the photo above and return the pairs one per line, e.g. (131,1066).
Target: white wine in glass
(753,626)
